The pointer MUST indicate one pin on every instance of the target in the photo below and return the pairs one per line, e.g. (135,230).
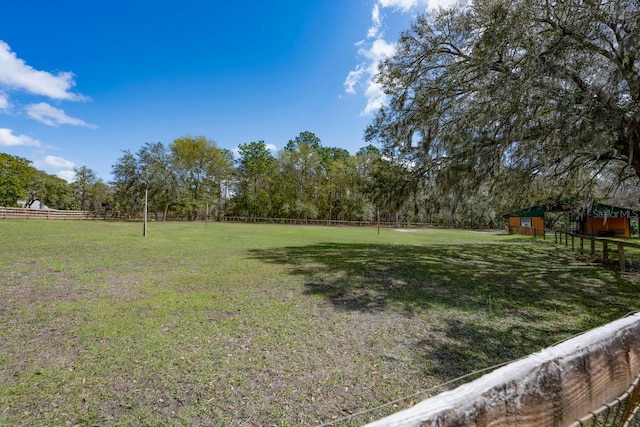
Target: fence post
(555,235)
(621,256)
(573,244)
(581,245)
(593,248)
(605,254)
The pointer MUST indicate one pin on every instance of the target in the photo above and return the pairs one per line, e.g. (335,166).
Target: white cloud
(16,74)
(376,22)
(374,50)
(353,78)
(271,147)
(8,139)
(52,116)
(58,166)
(4,102)
(379,50)
(376,98)
(403,5)
(67,175)
(436,4)
(58,162)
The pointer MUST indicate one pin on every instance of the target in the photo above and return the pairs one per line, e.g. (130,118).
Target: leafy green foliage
(539,96)
(201,169)
(305,180)
(15,174)
(185,177)
(256,170)
(19,181)
(89,192)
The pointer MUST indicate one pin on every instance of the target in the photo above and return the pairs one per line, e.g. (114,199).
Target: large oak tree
(542,96)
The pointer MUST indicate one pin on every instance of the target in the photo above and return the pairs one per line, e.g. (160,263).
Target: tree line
(21,184)
(192,178)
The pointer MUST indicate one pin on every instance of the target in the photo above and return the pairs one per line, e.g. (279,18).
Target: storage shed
(529,222)
(606,221)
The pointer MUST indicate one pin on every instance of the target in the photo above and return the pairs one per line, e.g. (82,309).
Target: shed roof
(595,210)
(534,211)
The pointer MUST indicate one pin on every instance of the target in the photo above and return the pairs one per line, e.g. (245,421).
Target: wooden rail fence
(576,383)
(527,231)
(607,245)
(26,213)
(328,222)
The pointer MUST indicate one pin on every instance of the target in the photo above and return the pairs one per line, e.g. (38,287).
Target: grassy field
(233,324)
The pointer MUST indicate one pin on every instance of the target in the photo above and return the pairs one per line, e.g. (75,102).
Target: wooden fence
(26,213)
(607,246)
(327,222)
(579,382)
(527,231)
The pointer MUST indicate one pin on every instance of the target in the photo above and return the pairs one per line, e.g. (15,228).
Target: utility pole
(144,220)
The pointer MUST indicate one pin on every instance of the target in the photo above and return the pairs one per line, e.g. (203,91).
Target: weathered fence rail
(328,222)
(574,383)
(606,244)
(26,213)
(527,231)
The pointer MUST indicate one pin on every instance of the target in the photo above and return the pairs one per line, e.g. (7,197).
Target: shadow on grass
(490,302)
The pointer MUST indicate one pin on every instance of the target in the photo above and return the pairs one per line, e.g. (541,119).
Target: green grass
(233,324)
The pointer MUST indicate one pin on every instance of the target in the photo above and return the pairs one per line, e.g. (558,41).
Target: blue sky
(81,81)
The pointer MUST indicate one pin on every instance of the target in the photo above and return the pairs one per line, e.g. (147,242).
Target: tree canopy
(518,98)
(21,182)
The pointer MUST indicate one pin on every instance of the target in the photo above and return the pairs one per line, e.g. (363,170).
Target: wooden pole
(144,220)
(581,245)
(605,253)
(621,256)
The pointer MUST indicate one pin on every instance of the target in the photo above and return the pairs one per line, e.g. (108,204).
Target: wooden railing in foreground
(606,246)
(26,213)
(574,383)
